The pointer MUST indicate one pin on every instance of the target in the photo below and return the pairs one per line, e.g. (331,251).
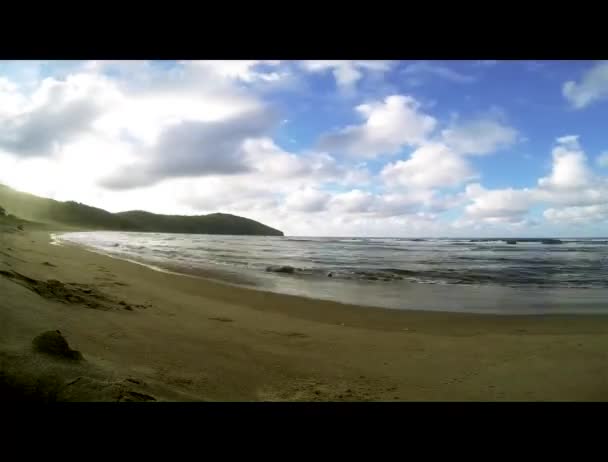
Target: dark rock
(46,263)
(551,241)
(20,227)
(329,275)
(281,269)
(511,241)
(54,344)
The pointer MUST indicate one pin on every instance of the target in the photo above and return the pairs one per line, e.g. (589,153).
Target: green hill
(80,216)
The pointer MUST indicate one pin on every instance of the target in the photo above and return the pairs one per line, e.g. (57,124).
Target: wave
(577,262)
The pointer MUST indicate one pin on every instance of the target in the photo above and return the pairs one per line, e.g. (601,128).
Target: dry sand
(152,336)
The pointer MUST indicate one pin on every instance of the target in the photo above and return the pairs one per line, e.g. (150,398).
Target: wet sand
(152,336)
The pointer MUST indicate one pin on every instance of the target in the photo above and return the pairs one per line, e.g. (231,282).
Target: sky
(319,148)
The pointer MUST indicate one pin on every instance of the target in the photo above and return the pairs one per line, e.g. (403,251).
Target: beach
(148,335)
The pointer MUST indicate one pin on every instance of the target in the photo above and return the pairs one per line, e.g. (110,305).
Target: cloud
(193,149)
(421,69)
(499,205)
(571,181)
(592,87)
(578,215)
(265,157)
(56,113)
(389,125)
(307,200)
(483,135)
(433,165)
(572,192)
(570,170)
(245,70)
(346,73)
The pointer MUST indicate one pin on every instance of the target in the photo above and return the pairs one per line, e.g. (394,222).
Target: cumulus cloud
(389,125)
(192,149)
(572,191)
(483,135)
(265,157)
(592,87)
(499,205)
(570,170)
(433,165)
(56,113)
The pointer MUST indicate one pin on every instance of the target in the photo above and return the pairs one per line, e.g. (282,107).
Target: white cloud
(570,170)
(592,87)
(194,149)
(479,136)
(572,191)
(346,73)
(578,215)
(389,125)
(355,201)
(11,100)
(307,200)
(58,112)
(498,205)
(245,70)
(423,68)
(433,165)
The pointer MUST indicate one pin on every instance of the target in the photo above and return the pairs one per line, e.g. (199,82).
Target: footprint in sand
(222,319)
(287,334)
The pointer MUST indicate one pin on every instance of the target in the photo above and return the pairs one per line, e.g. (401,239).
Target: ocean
(463,275)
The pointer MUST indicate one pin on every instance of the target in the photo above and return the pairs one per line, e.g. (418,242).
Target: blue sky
(385,148)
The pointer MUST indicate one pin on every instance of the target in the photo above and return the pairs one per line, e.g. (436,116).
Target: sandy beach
(152,336)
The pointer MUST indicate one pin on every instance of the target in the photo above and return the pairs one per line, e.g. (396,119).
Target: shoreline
(516,301)
(194,339)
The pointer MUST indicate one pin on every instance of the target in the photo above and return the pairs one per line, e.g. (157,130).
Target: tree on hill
(2,211)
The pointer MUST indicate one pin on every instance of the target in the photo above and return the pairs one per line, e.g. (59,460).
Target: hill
(81,216)
(214,223)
